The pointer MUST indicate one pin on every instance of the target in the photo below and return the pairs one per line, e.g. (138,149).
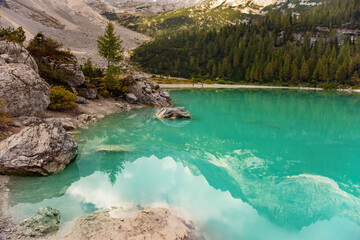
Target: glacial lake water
(251,164)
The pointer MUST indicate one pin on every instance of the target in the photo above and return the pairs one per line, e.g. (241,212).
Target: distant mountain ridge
(166,5)
(206,14)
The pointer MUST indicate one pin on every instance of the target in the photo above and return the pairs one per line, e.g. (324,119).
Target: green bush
(221,81)
(90,71)
(61,99)
(328,86)
(42,46)
(112,85)
(13,35)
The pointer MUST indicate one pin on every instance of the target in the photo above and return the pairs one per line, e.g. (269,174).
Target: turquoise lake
(251,164)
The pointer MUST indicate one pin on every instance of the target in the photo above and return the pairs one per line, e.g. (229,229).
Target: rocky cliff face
(69,67)
(23,91)
(14,53)
(148,93)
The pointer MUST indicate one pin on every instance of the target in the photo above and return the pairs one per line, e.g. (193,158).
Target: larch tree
(110,46)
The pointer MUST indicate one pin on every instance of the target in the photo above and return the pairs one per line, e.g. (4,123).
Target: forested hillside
(317,48)
(209,14)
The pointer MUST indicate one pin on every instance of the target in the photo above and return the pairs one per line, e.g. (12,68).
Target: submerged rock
(37,150)
(23,91)
(115,148)
(149,93)
(84,119)
(173,113)
(115,223)
(44,222)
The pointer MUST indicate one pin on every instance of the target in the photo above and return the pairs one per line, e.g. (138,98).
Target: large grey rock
(67,123)
(11,52)
(44,222)
(37,150)
(80,100)
(84,119)
(173,113)
(23,91)
(29,121)
(69,66)
(148,93)
(131,98)
(88,93)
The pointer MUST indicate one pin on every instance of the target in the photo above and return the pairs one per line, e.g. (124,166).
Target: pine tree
(110,46)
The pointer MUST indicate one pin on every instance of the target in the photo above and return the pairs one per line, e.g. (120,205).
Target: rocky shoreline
(38,141)
(95,109)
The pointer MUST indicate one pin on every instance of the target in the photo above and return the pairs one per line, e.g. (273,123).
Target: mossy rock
(44,222)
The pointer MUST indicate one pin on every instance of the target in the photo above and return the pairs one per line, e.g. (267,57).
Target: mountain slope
(320,47)
(208,14)
(72,22)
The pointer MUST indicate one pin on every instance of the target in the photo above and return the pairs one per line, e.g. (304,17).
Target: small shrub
(52,76)
(125,89)
(13,35)
(90,71)
(209,82)
(221,81)
(61,99)
(89,85)
(230,82)
(328,86)
(42,46)
(4,117)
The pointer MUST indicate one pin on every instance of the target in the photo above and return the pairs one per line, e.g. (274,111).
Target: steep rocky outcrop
(11,52)
(37,150)
(23,91)
(115,223)
(44,222)
(173,113)
(69,67)
(148,93)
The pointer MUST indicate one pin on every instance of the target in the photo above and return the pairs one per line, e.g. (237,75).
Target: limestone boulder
(117,223)
(148,93)
(11,52)
(37,150)
(131,98)
(80,100)
(23,91)
(75,76)
(88,93)
(44,222)
(67,123)
(173,113)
